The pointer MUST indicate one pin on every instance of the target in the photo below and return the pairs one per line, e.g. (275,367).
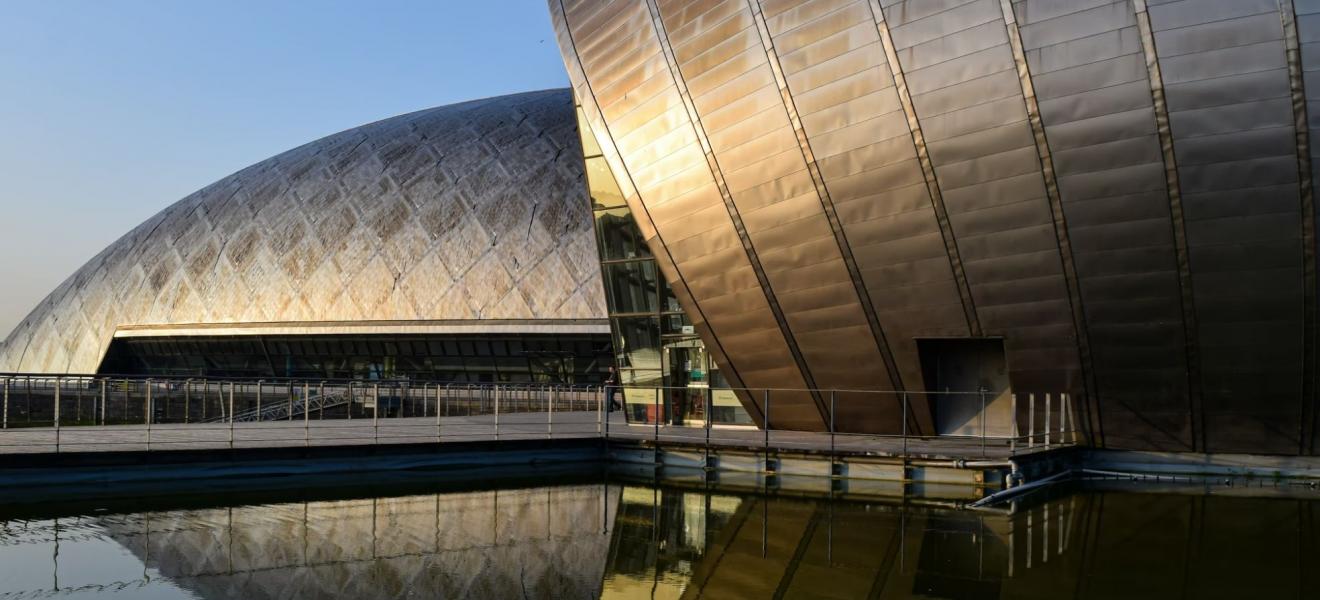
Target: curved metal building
(1119,192)
(469,219)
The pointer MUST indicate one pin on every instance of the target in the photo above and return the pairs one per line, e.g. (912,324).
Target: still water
(591,536)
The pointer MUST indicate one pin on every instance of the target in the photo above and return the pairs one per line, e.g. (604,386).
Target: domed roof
(473,211)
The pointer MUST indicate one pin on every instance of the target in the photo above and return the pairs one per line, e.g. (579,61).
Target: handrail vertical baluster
(57,415)
(307,411)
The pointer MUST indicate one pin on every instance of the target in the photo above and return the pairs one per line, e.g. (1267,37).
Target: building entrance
(960,371)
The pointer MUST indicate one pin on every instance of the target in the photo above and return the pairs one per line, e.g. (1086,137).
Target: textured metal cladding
(1089,75)
(829,210)
(1302,30)
(1227,84)
(1089,406)
(470,211)
(854,124)
(641,109)
(761,161)
(608,149)
(968,98)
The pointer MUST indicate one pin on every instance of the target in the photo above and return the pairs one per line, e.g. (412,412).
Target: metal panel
(960,69)
(677,188)
(853,124)
(1226,80)
(468,212)
(1089,70)
(1302,32)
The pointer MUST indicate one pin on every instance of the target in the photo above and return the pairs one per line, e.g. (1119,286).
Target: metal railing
(44,413)
(1006,424)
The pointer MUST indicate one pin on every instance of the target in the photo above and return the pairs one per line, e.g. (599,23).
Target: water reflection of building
(673,543)
(535,543)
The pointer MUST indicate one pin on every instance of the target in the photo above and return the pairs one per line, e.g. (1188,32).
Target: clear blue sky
(113,110)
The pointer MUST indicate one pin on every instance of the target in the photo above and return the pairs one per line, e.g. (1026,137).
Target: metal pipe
(831,423)
(550,419)
(103,399)
(495,392)
(375,413)
(767,424)
(187,399)
(6,412)
(259,386)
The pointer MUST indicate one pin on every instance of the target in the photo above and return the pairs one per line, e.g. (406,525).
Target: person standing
(612,387)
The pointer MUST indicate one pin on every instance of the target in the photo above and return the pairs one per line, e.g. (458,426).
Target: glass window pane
(619,237)
(638,343)
(604,190)
(633,287)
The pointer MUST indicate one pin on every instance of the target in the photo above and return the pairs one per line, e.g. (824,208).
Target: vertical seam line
(717,173)
(1191,333)
(1060,223)
(927,169)
(1297,85)
(562,14)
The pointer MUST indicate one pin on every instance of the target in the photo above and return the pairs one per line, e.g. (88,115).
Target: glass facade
(540,358)
(655,344)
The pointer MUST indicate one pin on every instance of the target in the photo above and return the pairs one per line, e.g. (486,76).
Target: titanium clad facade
(465,219)
(1120,190)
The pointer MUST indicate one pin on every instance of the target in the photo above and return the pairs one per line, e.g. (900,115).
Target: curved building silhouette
(452,242)
(1111,199)
(866,206)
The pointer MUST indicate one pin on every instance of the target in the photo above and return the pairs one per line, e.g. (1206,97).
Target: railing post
(495,395)
(231,415)
(320,406)
(6,410)
(187,399)
(905,435)
(600,413)
(657,415)
(437,411)
(104,400)
(767,424)
(307,412)
(982,394)
(831,424)
(710,417)
(290,384)
(350,401)
(150,410)
(1031,420)
(1047,419)
(375,413)
(1013,433)
(57,415)
(260,384)
(550,418)
(1063,418)
(601,400)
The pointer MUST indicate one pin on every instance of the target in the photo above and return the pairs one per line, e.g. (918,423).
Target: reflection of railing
(86,413)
